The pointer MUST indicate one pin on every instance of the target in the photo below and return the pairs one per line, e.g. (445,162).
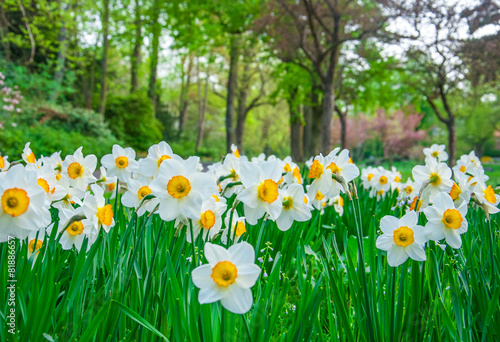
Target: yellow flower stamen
(452,218)
(224,273)
(383,180)
(408,189)
(15,201)
(121,162)
(207,219)
(268,191)
(403,236)
(397,179)
(463,168)
(435,179)
(237,153)
(111,186)
(287,203)
(76,228)
(178,187)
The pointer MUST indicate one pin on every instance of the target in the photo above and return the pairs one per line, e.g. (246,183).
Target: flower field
(261,249)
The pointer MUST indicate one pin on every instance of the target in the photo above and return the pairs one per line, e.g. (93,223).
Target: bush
(132,120)
(45,140)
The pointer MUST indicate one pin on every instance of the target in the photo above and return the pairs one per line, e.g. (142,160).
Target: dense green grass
(135,284)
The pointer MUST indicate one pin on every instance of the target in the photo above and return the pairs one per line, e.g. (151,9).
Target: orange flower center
(224,273)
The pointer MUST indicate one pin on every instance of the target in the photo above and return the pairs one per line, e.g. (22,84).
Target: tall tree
(136,55)
(155,48)
(104,61)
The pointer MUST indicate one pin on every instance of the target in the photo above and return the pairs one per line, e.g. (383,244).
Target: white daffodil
(79,170)
(410,189)
(181,189)
(47,179)
(70,195)
(292,172)
(486,196)
(75,231)
(150,166)
(24,204)
(229,172)
(294,208)
(446,221)
(4,163)
(28,155)
(227,277)
(381,181)
(436,177)
(261,194)
(134,196)
(342,166)
(121,163)
(316,199)
(338,204)
(210,220)
(235,151)
(436,152)
(367,175)
(402,238)
(395,179)
(35,242)
(321,170)
(461,189)
(238,226)
(107,183)
(97,211)
(54,162)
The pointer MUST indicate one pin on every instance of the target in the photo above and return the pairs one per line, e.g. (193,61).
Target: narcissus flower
(436,152)
(294,208)
(28,155)
(79,170)
(150,166)
(261,194)
(24,205)
(446,221)
(181,189)
(121,163)
(228,276)
(134,197)
(75,229)
(210,220)
(238,226)
(4,163)
(402,238)
(96,210)
(487,197)
(436,177)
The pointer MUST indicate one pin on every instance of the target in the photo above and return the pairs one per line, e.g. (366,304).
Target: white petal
(214,253)
(201,276)
(453,238)
(247,275)
(396,256)
(242,253)
(416,252)
(237,300)
(210,294)
(388,224)
(385,242)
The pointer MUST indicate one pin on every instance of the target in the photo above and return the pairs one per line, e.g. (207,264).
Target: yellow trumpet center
(76,228)
(75,170)
(143,192)
(452,218)
(383,180)
(31,158)
(224,273)
(15,201)
(240,228)
(316,169)
(162,158)
(489,194)
(268,191)
(43,183)
(207,219)
(105,215)
(34,245)
(403,236)
(455,191)
(397,179)
(296,174)
(319,196)
(287,168)
(121,162)
(463,168)
(435,154)
(178,187)
(370,176)
(237,153)
(408,189)
(334,168)
(2,162)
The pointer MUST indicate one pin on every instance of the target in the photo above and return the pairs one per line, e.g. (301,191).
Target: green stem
(247,328)
(193,243)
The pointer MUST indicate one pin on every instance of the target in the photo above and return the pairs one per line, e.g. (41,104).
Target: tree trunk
(4,32)
(231,89)
(307,131)
(452,141)
(61,56)
(317,112)
(242,116)
(136,56)
(202,107)
(88,95)
(184,100)
(297,152)
(343,124)
(327,115)
(105,43)
(152,91)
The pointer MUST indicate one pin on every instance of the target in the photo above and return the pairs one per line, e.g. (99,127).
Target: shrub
(132,120)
